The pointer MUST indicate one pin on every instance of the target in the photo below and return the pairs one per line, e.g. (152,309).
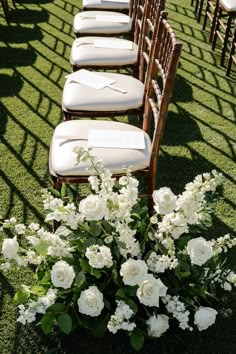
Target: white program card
(123,1)
(90,79)
(116,139)
(114,44)
(107,18)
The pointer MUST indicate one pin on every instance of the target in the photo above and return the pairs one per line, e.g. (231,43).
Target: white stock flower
(204,317)
(10,247)
(99,256)
(165,200)
(20,229)
(150,290)
(62,275)
(157,325)
(91,302)
(199,250)
(133,271)
(93,207)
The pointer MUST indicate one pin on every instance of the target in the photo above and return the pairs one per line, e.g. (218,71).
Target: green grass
(200,136)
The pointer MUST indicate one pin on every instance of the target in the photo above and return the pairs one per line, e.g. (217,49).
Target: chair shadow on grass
(22,16)
(10,34)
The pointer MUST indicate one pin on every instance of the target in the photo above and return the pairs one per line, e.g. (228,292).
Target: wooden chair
(82,101)
(85,55)
(232,57)
(210,14)
(5,7)
(198,8)
(106,5)
(161,72)
(86,23)
(226,13)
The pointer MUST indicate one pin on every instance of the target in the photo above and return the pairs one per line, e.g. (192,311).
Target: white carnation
(10,247)
(157,325)
(204,317)
(99,256)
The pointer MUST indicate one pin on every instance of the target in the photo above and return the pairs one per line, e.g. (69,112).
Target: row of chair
(144,90)
(222,17)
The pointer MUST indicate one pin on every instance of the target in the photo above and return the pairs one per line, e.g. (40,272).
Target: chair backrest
(159,87)
(152,13)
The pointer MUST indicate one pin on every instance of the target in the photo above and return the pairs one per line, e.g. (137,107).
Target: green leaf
(182,241)
(137,339)
(80,279)
(21,296)
(132,305)
(63,190)
(70,195)
(54,192)
(57,308)
(95,229)
(65,323)
(100,326)
(38,290)
(121,293)
(42,248)
(95,273)
(84,265)
(47,322)
(45,278)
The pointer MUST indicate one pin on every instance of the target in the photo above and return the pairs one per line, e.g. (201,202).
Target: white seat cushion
(229,5)
(85,22)
(105,5)
(78,97)
(87,54)
(62,158)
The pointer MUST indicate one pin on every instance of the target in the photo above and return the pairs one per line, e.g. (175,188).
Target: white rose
(93,207)
(157,325)
(204,317)
(150,291)
(165,200)
(199,250)
(133,271)
(91,302)
(10,247)
(62,275)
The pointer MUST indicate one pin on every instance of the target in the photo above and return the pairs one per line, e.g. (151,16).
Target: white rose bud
(204,317)
(199,250)
(91,302)
(165,201)
(157,325)
(150,291)
(133,272)
(10,247)
(93,207)
(62,275)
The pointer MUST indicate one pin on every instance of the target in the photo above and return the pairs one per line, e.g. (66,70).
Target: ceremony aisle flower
(112,265)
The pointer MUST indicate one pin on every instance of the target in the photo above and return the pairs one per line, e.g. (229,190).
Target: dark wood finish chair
(161,72)
(210,14)
(85,56)
(232,57)
(81,101)
(226,13)
(198,8)
(5,7)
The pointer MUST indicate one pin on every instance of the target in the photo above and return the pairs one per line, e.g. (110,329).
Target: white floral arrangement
(114,261)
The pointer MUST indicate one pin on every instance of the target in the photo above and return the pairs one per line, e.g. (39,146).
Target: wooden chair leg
(6,10)
(226,38)
(232,52)
(200,11)
(218,16)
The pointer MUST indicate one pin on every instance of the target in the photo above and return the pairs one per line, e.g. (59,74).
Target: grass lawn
(200,136)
